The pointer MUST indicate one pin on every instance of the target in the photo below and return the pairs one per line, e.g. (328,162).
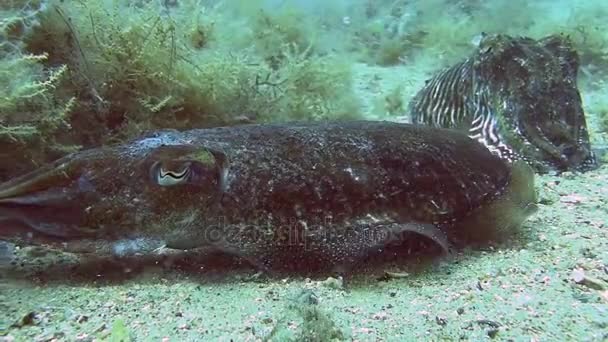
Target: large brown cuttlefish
(277,194)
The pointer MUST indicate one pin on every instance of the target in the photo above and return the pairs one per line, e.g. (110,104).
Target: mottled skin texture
(269,193)
(518,96)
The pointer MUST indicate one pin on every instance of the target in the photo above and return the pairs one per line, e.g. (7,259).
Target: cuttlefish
(272,194)
(517,96)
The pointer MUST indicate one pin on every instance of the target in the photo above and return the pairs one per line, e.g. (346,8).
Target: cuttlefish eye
(188,166)
(170,175)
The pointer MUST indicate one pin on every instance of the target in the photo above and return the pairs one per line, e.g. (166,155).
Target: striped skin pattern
(518,97)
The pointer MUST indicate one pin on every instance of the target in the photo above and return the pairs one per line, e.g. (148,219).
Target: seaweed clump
(107,72)
(32,118)
(311,322)
(404,32)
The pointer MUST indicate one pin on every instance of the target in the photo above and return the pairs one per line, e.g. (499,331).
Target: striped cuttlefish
(518,97)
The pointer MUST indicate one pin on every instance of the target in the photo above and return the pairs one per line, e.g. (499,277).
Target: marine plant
(383,34)
(32,116)
(119,331)
(126,68)
(278,28)
(589,31)
(441,32)
(313,323)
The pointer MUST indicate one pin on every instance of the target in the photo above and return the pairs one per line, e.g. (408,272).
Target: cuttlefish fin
(500,217)
(431,231)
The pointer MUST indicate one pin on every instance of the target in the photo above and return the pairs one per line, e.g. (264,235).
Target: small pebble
(82,319)
(579,277)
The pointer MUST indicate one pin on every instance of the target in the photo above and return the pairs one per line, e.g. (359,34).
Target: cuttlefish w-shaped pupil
(169,176)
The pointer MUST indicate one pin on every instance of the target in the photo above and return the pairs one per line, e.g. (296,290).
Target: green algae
(113,70)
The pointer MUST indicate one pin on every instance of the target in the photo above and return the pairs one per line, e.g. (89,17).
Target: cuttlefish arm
(111,200)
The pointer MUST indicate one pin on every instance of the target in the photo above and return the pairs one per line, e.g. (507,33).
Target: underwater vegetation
(517,96)
(313,323)
(296,196)
(100,72)
(86,73)
(32,118)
